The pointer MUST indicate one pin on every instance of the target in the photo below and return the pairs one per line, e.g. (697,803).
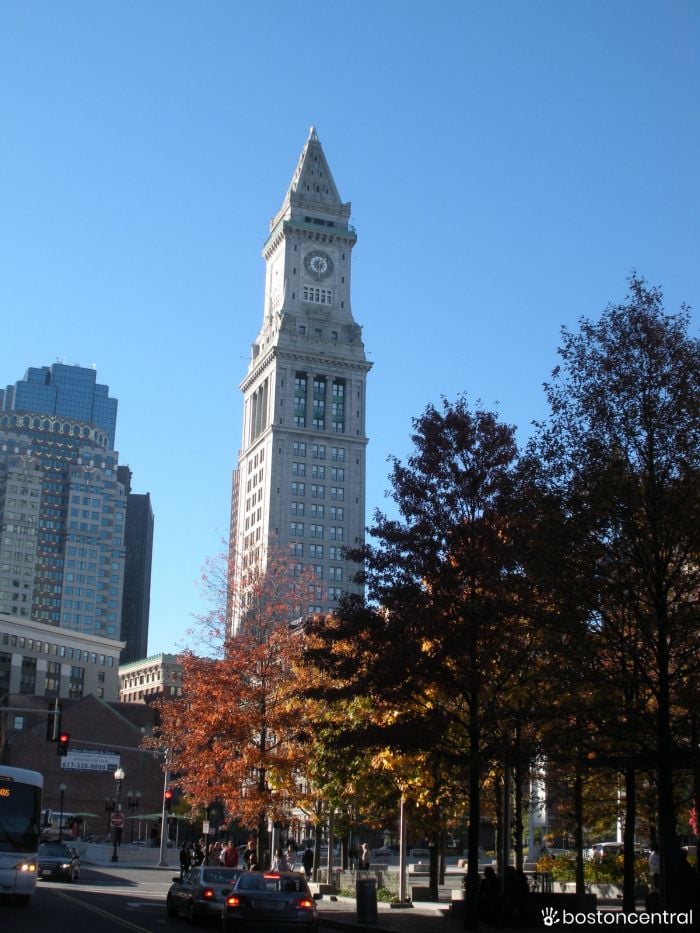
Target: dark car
(271,901)
(202,892)
(57,860)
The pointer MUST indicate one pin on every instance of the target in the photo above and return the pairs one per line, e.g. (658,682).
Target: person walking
(250,856)
(307,861)
(363,861)
(184,860)
(279,862)
(229,855)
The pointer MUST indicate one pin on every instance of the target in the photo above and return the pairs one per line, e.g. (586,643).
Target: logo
(550,916)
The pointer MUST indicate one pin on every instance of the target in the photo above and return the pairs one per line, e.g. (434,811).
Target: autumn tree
(234,733)
(619,460)
(444,634)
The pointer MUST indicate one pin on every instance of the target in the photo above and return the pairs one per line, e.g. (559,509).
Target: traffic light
(63,742)
(168,800)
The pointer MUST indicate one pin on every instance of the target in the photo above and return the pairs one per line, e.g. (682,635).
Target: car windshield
(252,881)
(220,875)
(47,848)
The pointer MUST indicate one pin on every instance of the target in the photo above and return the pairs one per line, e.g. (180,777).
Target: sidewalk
(341,913)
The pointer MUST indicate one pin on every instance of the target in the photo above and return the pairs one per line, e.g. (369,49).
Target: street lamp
(109,810)
(118,777)
(132,802)
(62,789)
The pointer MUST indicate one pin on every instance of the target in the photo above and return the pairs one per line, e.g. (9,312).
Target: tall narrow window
(319,403)
(338,406)
(300,400)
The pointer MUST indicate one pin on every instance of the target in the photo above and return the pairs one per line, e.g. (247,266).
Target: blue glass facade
(67,391)
(63,507)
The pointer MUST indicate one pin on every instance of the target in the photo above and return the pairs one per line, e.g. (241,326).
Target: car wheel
(21,900)
(169,908)
(193,916)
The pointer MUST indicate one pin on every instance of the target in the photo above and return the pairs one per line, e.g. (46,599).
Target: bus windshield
(20,812)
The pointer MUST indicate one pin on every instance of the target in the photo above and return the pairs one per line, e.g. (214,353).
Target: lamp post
(132,802)
(118,777)
(109,809)
(62,789)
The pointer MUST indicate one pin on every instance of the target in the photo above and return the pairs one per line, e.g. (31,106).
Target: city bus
(20,818)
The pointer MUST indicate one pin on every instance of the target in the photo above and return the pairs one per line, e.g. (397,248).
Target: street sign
(205,827)
(117,820)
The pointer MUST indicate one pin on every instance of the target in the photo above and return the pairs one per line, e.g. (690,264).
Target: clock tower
(300,479)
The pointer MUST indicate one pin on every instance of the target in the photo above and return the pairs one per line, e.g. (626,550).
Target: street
(109,898)
(115,899)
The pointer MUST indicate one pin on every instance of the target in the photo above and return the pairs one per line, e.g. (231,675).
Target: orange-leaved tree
(234,733)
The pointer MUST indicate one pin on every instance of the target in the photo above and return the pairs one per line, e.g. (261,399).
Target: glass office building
(62,507)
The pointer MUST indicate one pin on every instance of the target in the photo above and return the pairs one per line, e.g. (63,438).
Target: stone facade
(300,480)
(157,676)
(48,661)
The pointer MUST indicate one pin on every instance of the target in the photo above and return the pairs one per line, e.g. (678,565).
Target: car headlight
(25,866)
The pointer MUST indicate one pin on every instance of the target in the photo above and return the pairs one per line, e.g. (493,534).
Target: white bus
(20,817)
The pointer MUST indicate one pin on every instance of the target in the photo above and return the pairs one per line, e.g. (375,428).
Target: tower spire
(312,188)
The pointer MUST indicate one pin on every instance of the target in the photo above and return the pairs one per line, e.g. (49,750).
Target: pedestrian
(363,861)
(184,860)
(197,853)
(291,855)
(307,861)
(250,856)
(279,862)
(229,855)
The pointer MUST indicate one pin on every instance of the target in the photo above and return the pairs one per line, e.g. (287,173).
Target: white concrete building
(300,479)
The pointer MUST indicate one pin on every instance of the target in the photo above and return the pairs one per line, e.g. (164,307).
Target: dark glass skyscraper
(62,508)
(137,570)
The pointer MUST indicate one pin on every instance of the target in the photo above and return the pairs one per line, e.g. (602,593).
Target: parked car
(58,860)
(419,853)
(201,892)
(268,900)
(382,852)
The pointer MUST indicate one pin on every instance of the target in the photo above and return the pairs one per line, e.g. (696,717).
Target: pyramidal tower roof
(312,188)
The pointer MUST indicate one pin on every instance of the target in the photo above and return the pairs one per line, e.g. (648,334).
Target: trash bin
(366,897)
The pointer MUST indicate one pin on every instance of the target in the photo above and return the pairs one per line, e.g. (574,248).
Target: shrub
(595,871)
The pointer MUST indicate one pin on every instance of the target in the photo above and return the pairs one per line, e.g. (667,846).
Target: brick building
(103,737)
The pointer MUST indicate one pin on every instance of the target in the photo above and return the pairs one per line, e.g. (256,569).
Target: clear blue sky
(508,163)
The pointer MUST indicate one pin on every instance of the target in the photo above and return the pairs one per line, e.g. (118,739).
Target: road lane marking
(103,913)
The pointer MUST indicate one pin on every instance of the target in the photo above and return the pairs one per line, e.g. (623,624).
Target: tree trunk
(518,828)
(668,841)
(471,906)
(578,828)
(498,801)
(434,850)
(628,899)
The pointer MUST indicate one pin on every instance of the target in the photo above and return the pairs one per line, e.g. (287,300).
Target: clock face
(318,263)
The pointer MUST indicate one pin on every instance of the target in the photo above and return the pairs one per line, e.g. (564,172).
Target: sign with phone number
(82,759)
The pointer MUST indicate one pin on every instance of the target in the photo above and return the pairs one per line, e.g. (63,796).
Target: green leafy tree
(618,459)
(445,635)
